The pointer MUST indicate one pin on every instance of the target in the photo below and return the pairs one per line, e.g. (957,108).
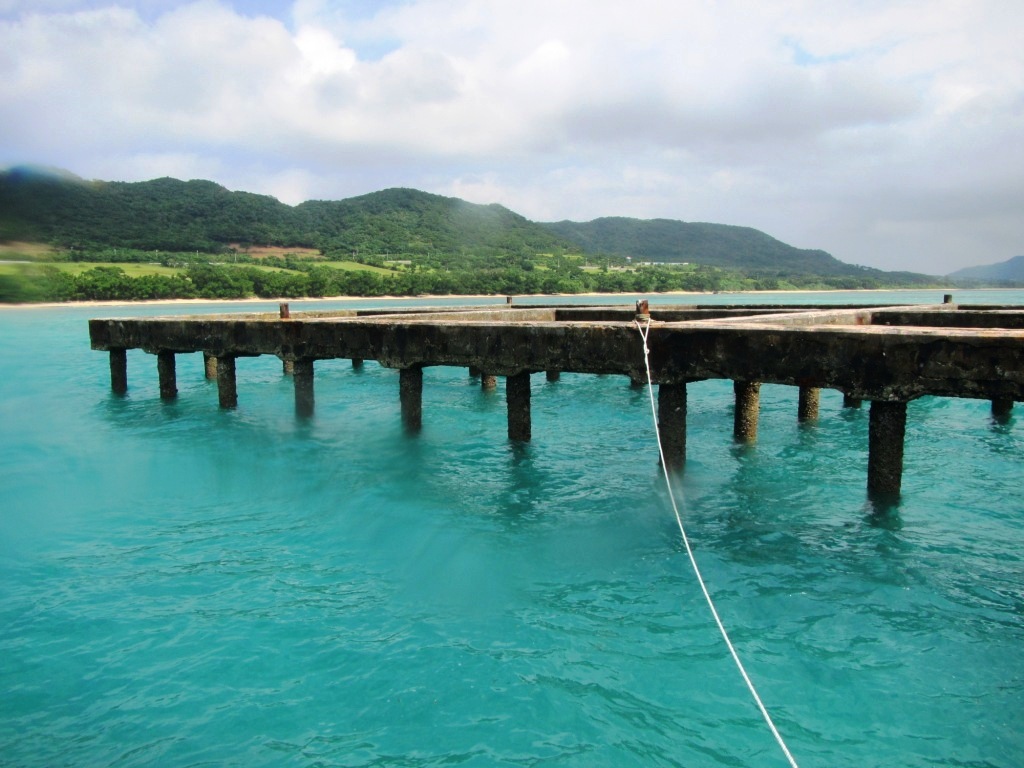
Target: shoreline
(475,296)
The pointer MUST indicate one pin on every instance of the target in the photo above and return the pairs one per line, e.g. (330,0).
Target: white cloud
(850,127)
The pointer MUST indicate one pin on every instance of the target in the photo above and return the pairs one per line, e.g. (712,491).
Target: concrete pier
(748,406)
(809,404)
(288,367)
(672,424)
(517,394)
(357,363)
(167,375)
(302,378)
(410,392)
(119,371)
(553,375)
(887,428)
(227,391)
(884,354)
(209,366)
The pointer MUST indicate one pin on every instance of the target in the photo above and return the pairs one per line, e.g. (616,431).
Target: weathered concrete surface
(302,378)
(672,424)
(812,349)
(517,394)
(887,425)
(747,411)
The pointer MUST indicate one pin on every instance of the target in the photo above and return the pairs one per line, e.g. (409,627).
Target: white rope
(644,331)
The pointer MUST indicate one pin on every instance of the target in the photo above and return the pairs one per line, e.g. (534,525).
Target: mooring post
(887,428)
(1002,407)
(227,392)
(119,371)
(850,401)
(810,400)
(517,394)
(553,375)
(672,423)
(947,298)
(285,312)
(748,404)
(488,381)
(410,392)
(166,373)
(209,366)
(302,378)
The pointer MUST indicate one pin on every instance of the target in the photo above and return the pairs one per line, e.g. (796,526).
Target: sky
(889,133)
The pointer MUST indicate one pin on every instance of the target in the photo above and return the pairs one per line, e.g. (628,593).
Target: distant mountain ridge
(720,245)
(54,206)
(1011,270)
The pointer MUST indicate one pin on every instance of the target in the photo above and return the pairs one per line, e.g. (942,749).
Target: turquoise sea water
(184,586)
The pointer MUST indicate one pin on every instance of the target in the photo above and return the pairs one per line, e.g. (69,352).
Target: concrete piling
(887,428)
(1002,407)
(227,391)
(517,394)
(288,367)
(748,404)
(357,364)
(553,375)
(209,366)
(302,378)
(672,424)
(809,403)
(410,392)
(851,402)
(165,368)
(488,381)
(473,371)
(119,371)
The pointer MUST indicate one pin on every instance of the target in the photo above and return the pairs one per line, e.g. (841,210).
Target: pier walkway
(886,355)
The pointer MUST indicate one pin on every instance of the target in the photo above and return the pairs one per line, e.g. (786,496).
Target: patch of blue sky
(804,58)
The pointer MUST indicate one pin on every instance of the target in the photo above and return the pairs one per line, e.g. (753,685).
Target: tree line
(212,281)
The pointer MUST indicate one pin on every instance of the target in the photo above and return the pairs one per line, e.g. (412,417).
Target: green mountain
(718,245)
(55,207)
(407,221)
(1010,271)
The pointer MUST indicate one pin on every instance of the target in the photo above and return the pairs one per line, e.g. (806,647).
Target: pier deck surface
(873,353)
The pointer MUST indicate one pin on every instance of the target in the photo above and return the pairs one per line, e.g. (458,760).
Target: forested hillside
(168,238)
(1010,272)
(720,245)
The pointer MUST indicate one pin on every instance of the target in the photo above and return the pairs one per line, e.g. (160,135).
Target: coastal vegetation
(66,239)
